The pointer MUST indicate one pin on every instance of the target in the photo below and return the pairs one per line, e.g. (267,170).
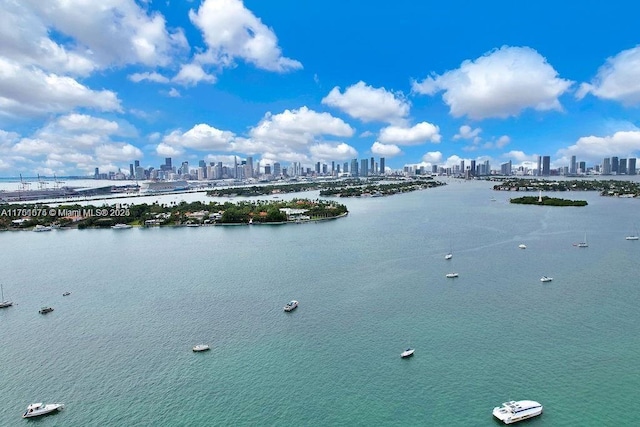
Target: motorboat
(291,305)
(121,226)
(201,347)
(452,275)
(407,353)
(448,256)
(634,237)
(37,409)
(546,279)
(522,246)
(512,411)
(66,294)
(40,227)
(45,310)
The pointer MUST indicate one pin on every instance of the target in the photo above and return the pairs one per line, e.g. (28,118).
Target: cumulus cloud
(299,127)
(432,157)
(521,156)
(326,151)
(386,150)
(201,137)
(369,104)
(112,32)
(32,92)
(595,148)
(466,132)
(501,83)
(231,31)
(71,143)
(415,135)
(192,74)
(174,93)
(166,150)
(617,79)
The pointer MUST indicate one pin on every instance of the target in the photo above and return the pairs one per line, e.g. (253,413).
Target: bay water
(117,351)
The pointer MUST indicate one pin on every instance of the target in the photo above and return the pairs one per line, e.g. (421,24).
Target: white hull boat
(512,411)
(452,275)
(407,353)
(546,279)
(37,409)
(522,246)
(201,347)
(291,305)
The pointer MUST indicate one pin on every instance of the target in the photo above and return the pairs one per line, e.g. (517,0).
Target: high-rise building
(614,165)
(382,166)
(354,167)
(546,165)
(277,169)
(539,171)
(632,166)
(572,169)
(167,162)
(345,167)
(267,169)
(582,166)
(473,168)
(622,167)
(318,167)
(131,175)
(96,173)
(249,168)
(364,167)
(606,166)
(372,166)
(136,163)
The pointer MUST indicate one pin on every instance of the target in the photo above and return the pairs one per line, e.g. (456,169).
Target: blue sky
(100,84)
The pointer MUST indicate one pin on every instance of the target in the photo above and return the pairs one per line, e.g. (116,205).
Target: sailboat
(584,243)
(4,303)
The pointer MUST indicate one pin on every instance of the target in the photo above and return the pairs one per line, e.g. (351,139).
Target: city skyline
(215,80)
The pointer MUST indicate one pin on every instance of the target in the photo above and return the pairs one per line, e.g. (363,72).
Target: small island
(44,218)
(609,188)
(547,201)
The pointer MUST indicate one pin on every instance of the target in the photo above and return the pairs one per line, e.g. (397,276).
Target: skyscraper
(382,167)
(364,167)
(472,171)
(622,167)
(539,172)
(632,166)
(277,169)
(249,168)
(572,169)
(354,167)
(546,165)
(614,165)
(606,166)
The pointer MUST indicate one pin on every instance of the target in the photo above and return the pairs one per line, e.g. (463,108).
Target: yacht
(37,409)
(584,243)
(633,237)
(512,411)
(546,279)
(291,305)
(201,347)
(45,310)
(121,226)
(448,256)
(66,294)
(407,353)
(452,275)
(40,227)
(522,246)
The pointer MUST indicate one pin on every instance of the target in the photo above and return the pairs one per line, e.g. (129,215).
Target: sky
(86,84)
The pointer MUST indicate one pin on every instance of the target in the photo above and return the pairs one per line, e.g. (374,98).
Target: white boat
(40,227)
(45,310)
(291,305)
(121,226)
(4,303)
(546,279)
(66,294)
(452,275)
(407,353)
(584,243)
(512,411)
(37,409)
(448,256)
(201,347)
(634,237)
(522,246)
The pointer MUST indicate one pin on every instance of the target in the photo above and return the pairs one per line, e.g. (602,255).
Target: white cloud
(387,150)
(201,137)
(192,74)
(369,104)
(325,151)
(501,83)
(617,79)
(152,77)
(595,148)
(502,141)
(166,150)
(231,31)
(299,127)
(466,132)
(432,157)
(109,32)
(32,92)
(418,134)
(174,93)
(521,156)
(117,152)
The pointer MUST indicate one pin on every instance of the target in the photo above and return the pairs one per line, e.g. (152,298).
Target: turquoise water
(117,351)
